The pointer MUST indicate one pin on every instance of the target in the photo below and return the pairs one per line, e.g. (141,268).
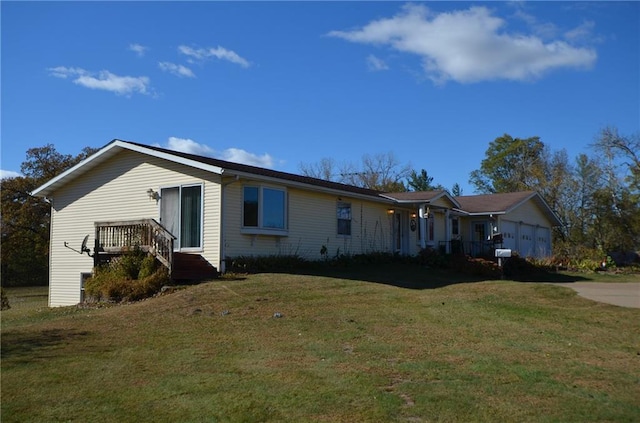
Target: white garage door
(508,229)
(527,240)
(543,242)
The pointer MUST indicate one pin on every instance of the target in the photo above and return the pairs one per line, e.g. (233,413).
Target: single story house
(189,206)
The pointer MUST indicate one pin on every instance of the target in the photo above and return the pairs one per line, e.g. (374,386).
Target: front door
(401,232)
(479,240)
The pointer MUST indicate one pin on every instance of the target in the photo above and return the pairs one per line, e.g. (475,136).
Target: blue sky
(277,84)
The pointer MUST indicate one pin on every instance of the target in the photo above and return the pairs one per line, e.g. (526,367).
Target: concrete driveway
(620,294)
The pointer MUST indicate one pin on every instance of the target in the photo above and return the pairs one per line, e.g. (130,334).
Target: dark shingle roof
(255,170)
(487,203)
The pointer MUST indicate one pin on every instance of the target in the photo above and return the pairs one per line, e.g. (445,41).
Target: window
(181,214)
(344,218)
(455,226)
(264,209)
(190,225)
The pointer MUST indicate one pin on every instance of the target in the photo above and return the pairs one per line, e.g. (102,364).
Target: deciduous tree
(510,164)
(25,219)
(382,172)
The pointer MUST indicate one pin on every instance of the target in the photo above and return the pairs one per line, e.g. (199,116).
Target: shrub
(520,268)
(261,264)
(5,300)
(130,277)
(431,257)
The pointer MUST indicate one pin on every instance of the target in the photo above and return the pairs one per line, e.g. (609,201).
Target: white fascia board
(404,201)
(310,187)
(443,194)
(485,213)
(107,152)
(466,213)
(170,157)
(44,189)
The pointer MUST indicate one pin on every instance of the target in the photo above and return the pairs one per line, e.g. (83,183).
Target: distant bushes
(5,300)
(130,277)
(514,268)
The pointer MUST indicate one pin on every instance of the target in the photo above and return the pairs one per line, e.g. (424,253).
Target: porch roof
(420,197)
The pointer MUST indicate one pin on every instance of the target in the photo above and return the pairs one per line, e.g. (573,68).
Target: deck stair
(115,238)
(192,267)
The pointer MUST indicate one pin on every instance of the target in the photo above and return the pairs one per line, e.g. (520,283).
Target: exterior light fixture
(391,211)
(153,195)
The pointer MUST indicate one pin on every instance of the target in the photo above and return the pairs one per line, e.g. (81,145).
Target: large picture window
(264,208)
(344,218)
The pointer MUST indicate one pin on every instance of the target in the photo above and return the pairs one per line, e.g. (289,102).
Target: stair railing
(117,237)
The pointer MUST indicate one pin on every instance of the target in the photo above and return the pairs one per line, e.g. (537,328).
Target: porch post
(422,213)
(447,231)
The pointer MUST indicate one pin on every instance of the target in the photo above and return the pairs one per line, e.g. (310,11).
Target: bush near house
(5,301)
(130,277)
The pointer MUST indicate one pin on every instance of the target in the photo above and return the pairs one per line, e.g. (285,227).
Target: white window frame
(342,204)
(261,229)
(179,236)
(455,232)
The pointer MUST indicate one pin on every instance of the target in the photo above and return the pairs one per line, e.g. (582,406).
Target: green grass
(343,350)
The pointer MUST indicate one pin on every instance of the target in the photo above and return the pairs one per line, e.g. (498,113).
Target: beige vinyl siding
(531,230)
(528,213)
(117,190)
(312,223)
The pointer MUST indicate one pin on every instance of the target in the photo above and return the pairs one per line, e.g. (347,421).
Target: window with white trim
(343,214)
(181,214)
(455,226)
(264,208)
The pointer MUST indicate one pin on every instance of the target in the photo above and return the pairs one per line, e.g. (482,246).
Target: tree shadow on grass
(27,346)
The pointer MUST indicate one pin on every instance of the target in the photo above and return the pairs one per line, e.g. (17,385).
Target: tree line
(597,196)
(25,220)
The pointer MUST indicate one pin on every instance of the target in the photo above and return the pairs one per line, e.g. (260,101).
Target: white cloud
(104,80)
(9,174)
(376,64)
(139,49)
(239,155)
(582,32)
(236,155)
(64,72)
(186,145)
(178,70)
(545,30)
(468,45)
(218,52)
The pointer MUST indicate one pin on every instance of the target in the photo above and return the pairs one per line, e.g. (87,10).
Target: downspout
(50,261)
(223,185)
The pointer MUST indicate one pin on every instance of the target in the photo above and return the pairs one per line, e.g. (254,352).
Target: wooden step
(192,267)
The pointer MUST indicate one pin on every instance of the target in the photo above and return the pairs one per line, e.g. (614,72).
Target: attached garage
(523,218)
